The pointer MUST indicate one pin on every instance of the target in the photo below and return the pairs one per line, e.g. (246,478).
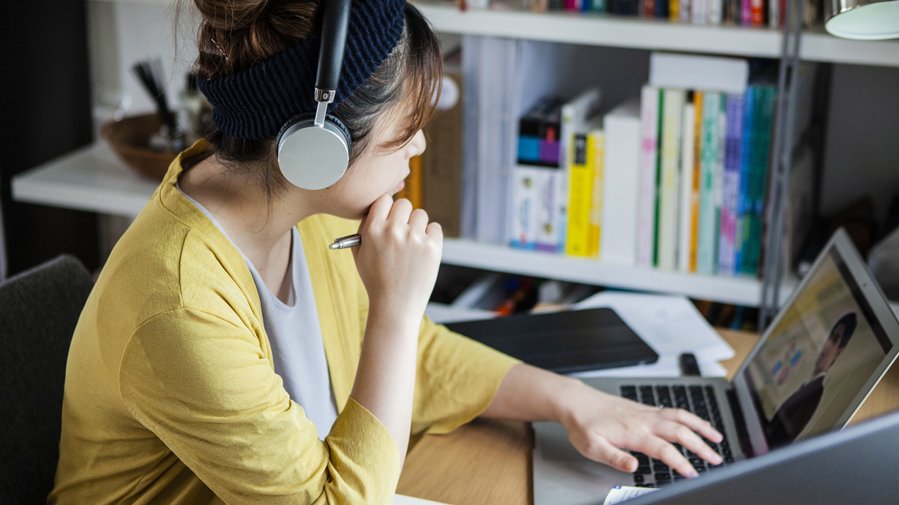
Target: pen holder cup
(129,138)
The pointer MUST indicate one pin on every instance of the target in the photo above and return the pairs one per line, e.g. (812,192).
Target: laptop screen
(817,357)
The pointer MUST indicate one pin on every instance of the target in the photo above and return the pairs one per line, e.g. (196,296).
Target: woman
(226,355)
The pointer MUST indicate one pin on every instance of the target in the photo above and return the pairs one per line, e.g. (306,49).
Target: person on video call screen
(794,413)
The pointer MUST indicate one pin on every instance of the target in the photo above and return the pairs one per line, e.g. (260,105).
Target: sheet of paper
(669,324)
(408,500)
(619,494)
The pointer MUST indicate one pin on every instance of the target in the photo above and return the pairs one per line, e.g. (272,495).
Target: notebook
(564,342)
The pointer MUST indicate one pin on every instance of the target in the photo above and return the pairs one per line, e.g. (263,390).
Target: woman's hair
(237,34)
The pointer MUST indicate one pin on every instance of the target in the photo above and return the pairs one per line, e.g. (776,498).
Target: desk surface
(489,462)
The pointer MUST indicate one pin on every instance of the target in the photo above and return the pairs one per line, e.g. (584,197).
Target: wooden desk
(489,462)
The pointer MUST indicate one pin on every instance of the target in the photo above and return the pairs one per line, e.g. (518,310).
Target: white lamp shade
(863,19)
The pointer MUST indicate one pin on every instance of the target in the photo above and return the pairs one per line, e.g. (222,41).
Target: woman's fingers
(688,439)
(659,448)
(418,222)
(401,211)
(599,449)
(693,422)
(379,210)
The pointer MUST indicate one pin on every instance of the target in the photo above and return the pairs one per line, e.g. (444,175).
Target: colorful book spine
(674,10)
(744,209)
(649,7)
(685,204)
(762,140)
(757,12)
(728,227)
(649,106)
(697,178)
(708,229)
(582,160)
(657,193)
(412,189)
(745,12)
(597,139)
(672,122)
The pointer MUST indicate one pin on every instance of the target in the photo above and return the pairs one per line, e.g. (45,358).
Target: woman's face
(377,171)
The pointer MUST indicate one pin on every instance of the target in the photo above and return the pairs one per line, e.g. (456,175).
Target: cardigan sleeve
(205,388)
(456,381)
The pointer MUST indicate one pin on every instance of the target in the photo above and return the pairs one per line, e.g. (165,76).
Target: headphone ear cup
(313,157)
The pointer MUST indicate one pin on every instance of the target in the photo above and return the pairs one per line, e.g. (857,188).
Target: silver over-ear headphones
(313,152)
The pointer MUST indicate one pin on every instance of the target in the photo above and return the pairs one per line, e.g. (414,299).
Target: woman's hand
(399,257)
(602,427)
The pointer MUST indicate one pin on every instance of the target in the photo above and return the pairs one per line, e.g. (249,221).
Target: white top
(295,335)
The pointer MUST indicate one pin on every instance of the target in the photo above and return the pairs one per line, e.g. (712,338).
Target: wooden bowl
(129,139)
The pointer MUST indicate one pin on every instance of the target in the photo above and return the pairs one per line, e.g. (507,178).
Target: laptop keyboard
(699,400)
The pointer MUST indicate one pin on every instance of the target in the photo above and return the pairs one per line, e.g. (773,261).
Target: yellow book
(598,140)
(697,173)
(412,190)
(580,194)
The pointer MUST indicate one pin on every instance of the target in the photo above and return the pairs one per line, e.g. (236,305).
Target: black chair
(38,312)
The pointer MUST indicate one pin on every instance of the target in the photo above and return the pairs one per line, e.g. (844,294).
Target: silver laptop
(819,359)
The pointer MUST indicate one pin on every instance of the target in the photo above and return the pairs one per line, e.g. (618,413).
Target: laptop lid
(822,355)
(855,465)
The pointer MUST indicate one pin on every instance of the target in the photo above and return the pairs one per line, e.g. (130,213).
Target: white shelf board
(655,34)
(90,179)
(605,30)
(737,290)
(644,33)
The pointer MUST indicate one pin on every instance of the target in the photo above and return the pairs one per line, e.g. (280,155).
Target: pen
(348,241)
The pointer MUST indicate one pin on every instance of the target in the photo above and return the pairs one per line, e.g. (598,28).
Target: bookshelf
(92,179)
(616,31)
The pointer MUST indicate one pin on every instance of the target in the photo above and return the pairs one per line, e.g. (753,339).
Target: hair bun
(231,14)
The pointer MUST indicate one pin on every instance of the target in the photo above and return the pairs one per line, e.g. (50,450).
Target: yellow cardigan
(171,394)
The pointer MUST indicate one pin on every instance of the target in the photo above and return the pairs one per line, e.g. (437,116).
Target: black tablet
(564,342)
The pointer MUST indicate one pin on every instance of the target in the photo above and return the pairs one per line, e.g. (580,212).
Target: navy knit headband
(255,102)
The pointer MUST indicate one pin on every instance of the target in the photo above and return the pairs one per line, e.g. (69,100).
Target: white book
(621,184)
(685,231)
(716,9)
(699,12)
(708,73)
(649,155)
(670,142)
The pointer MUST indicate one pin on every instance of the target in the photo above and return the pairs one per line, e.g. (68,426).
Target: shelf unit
(642,33)
(92,179)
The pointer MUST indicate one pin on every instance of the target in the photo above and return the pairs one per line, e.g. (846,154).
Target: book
(686,202)
(412,188)
(697,178)
(731,185)
(708,73)
(646,221)
(442,160)
(621,184)
(744,208)
(581,174)
(573,118)
(535,183)
(594,236)
(669,163)
(707,244)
